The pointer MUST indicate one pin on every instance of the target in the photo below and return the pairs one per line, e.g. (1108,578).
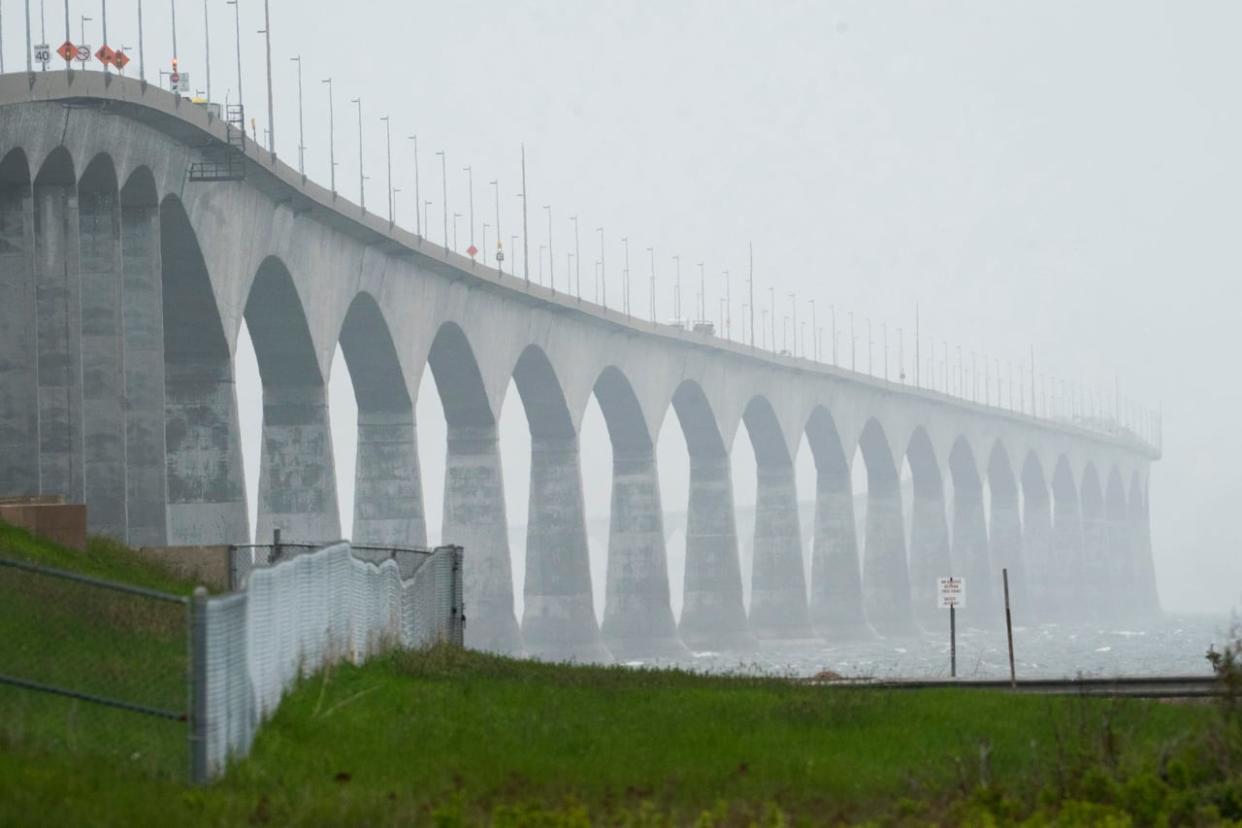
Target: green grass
(452,737)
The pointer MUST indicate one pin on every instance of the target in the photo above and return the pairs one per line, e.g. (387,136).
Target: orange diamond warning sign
(105,54)
(67,50)
(119,59)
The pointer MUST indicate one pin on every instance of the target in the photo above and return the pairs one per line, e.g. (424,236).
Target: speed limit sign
(43,54)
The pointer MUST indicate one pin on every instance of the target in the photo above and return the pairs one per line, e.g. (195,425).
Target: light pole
(173,6)
(444,190)
(793,302)
(577,260)
(271,117)
(651,251)
(82,29)
(853,345)
(388,145)
(395,190)
(677,289)
(332,140)
(702,294)
(206,47)
(427,213)
(418,193)
(142,56)
(728,318)
(29,45)
(525,233)
(814,335)
(103,22)
(469,171)
(362,179)
(750,286)
(456,216)
(772,315)
(603,276)
(625,276)
(241,105)
(301,130)
(551,265)
(500,256)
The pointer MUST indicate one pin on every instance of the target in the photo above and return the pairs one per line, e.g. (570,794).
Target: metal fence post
(198,687)
(233,580)
(459,602)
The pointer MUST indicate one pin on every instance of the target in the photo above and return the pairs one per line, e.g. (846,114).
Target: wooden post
(1013,676)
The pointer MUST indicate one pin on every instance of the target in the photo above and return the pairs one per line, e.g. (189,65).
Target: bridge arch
(388,496)
(19,380)
(638,614)
(970,531)
(297,479)
(713,614)
(886,580)
(559,618)
(929,531)
(778,607)
(206,488)
(1005,524)
(475,513)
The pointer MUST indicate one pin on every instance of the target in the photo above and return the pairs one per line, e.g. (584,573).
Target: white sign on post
(181,83)
(43,54)
(951,592)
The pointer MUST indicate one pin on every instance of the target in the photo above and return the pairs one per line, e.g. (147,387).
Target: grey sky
(1059,174)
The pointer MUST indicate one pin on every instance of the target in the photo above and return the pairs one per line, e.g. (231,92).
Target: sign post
(1013,675)
(951,593)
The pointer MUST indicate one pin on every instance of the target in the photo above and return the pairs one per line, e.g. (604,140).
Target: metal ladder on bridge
(225,161)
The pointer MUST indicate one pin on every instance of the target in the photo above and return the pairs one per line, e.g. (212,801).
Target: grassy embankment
(451,737)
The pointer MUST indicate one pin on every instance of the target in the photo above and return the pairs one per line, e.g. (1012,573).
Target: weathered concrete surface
(559,618)
(1037,539)
(778,607)
(886,581)
(929,551)
(474,518)
(388,495)
(46,518)
(19,411)
(638,615)
(713,616)
(297,482)
(970,554)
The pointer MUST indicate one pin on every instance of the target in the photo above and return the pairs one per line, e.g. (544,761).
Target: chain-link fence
(93,668)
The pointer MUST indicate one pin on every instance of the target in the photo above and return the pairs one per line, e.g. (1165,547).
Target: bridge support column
(970,555)
(146,471)
(103,360)
(474,518)
(778,607)
(559,620)
(1095,600)
(713,615)
(59,321)
(929,553)
(19,382)
(638,617)
(836,586)
(1005,543)
(297,483)
(1066,557)
(1144,593)
(1041,577)
(388,494)
(886,581)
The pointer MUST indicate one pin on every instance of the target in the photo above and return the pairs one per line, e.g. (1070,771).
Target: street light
(470,189)
(388,144)
(500,255)
(266,31)
(603,276)
(301,130)
(551,266)
(444,187)
(331,138)
(577,260)
(362,179)
(625,276)
(418,194)
(237,36)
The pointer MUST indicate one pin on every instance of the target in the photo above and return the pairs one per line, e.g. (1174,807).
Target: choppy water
(1174,645)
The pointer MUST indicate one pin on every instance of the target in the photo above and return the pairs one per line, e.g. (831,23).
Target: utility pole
(29,44)
(69,63)
(702,294)
(332,140)
(103,21)
(362,179)
(814,335)
(388,144)
(772,315)
(1033,412)
(173,5)
(728,317)
(237,37)
(793,302)
(301,128)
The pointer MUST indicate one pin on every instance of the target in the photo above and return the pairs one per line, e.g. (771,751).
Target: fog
(1054,175)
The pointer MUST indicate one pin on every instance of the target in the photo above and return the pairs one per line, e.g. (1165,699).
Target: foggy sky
(1055,174)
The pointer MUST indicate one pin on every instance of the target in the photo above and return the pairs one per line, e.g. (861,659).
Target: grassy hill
(448,737)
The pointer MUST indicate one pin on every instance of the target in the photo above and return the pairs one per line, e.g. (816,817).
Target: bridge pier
(1144,592)
(474,518)
(713,615)
(58,290)
(638,616)
(886,581)
(297,483)
(836,606)
(559,619)
(970,553)
(1042,582)
(19,382)
(929,549)
(103,356)
(1066,557)
(388,494)
(778,606)
(145,461)
(1005,543)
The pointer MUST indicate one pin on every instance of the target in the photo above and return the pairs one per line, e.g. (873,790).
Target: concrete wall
(111,307)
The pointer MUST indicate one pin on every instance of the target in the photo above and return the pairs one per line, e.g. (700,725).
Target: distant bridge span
(125,285)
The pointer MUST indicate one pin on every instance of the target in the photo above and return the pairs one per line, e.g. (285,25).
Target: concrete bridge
(124,287)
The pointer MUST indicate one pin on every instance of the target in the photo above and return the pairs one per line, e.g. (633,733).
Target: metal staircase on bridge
(225,161)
